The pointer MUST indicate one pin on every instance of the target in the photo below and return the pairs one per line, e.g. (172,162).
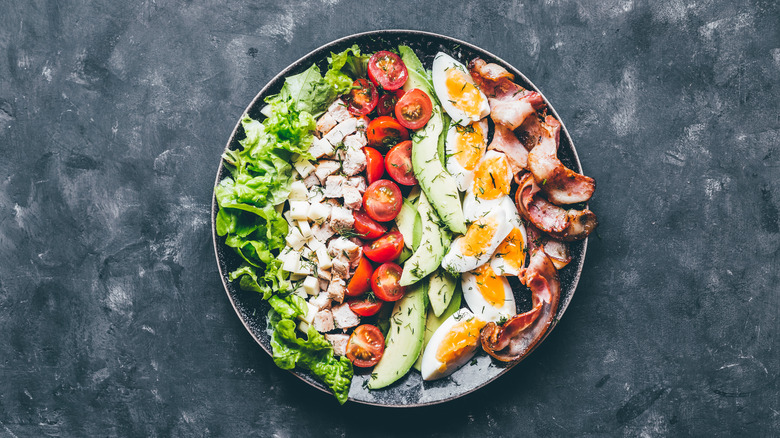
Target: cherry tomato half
(366,346)
(382,200)
(360,282)
(386,248)
(365,306)
(385,132)
(414,109)
(399,163)
(366,227)
(385,282)
(387,70)
(375,164)
(362,99)
(386,105)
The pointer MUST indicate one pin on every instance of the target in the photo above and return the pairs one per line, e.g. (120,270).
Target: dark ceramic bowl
(411,390)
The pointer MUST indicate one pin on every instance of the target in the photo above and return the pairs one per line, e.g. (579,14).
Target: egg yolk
(492,178)
(512,249)
(462,339)
(490,285)
(478,236)
(461,92)
(469,145)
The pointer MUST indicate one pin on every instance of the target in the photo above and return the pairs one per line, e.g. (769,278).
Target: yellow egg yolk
(478,236)
(512,249)
(461,92)
(462,339)
(492,178)
(469,145)
(490,285)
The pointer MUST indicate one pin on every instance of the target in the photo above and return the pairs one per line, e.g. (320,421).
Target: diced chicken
(344,317)
(355,141)
(334,186)
(326,168)
(352,197)
(341,266)
(324,231)
(323,321)
(320,147)
(337,134)
(341,246)
(339,343)
(357,182)
(324,286)
(311,180)
(326,123)
(341,219)
(336,289)
(316,193)
(354,162)
(320,301)
(362,124)
(338,109)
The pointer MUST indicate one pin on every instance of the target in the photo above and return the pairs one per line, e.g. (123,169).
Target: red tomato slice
(385,132)
(375,164)
(386,105)
(385,282)
(382,200)
(399,163)
(386,248)
(360,282)
(387,70)
(366,227)
(362,99)
(366,346)
(414,109)
(365,306)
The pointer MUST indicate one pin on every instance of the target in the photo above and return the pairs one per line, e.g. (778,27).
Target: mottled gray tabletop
(113,318)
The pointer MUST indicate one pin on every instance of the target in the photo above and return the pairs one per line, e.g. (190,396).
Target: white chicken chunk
(354,162)
(353,199)
(326,168)
(344,317)
(339,343)
(334,186)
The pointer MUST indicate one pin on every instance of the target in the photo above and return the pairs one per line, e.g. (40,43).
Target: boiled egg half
(491,183)
(482,237)
(465,146)
(452,345)
(457,92)
(488,294)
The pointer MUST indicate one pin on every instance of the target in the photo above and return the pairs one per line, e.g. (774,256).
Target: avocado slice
(405,221)
(440,290)
(434,241)
(404,338)
(433,322)
(440,187)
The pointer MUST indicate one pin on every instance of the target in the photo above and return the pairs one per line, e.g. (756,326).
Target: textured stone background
(113,321)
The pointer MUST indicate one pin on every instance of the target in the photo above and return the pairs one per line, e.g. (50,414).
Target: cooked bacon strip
(561,184)
(561,224)
(495,81)
(557,251)
(513,112)
(505,141)
(522,332)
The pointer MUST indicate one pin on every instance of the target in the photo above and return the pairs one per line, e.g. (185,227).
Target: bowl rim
(563,305)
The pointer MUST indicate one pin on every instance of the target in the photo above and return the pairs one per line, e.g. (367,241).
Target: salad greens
(250,218)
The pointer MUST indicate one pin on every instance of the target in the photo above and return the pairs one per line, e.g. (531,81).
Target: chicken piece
(336,289)
(320,301)
(311,181)
(334,186)
(320,147)
(354,162)
(357,182)
(323,231)
(337,134)
(339,343)
(344,317)
(338,109)
(353,199)
(326,168)
(323,321)
(340,266)
(341,246)
(341,219)
(355,141)
(326,123)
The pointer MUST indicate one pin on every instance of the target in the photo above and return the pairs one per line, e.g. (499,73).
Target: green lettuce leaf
(314,354)
(345,67)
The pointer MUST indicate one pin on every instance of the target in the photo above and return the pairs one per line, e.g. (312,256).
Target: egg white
(431,367)
(441,63)
(475,207)
(480,306)
(456,261)
(462,176)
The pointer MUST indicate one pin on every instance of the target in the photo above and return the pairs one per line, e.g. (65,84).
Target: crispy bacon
(561,184)
(566,225)
(557,251)
(495,81)
(521,333)
(505,141)
(513,112)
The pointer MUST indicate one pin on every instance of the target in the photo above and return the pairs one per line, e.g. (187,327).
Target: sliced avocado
(405,222)
(440,289)
(446,120)
(433,322)
(416,231)
(404,338)
(405,254)
(440,187)
(434,241)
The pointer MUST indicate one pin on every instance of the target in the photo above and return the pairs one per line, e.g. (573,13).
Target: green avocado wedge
(440,290)
(404,338)
(434,241)
(433,322)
